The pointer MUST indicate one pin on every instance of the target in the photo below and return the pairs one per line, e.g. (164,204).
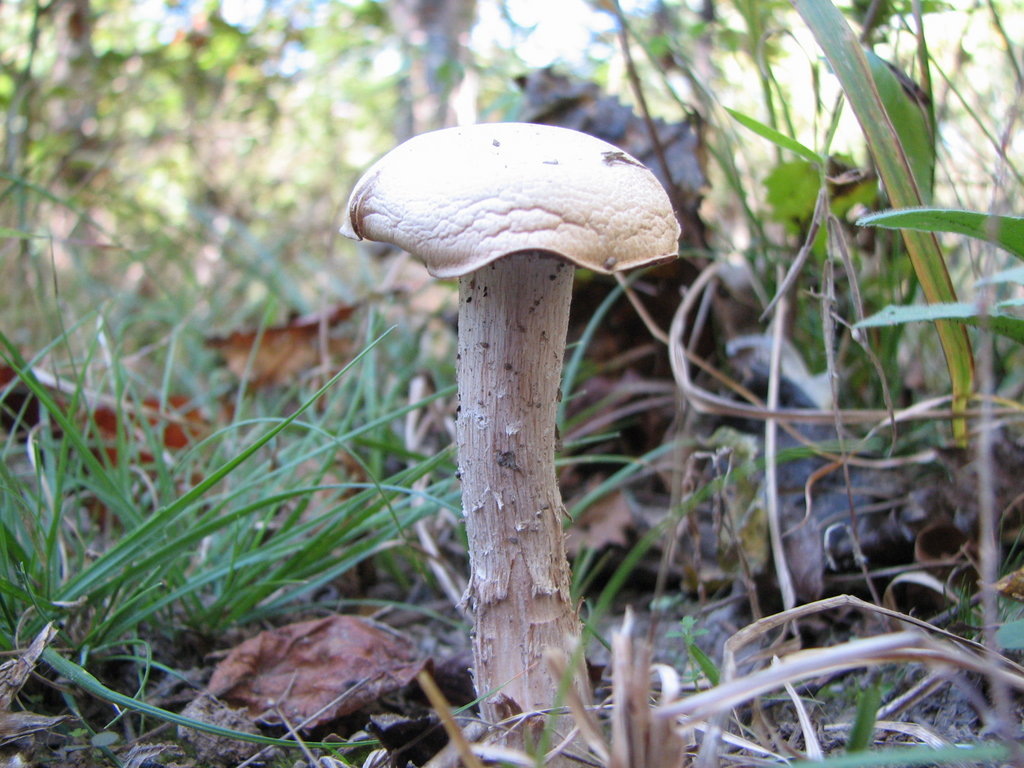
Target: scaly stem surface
(513,317)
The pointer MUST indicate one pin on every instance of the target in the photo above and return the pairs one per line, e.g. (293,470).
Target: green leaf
(964,313)
(689,632)
(1005,231)
(917,313)
(104,739)
(1014,275)
(777,138)
(1006,326)
(792,192)
(846,57)
(707,666)
(903,101)
(1011,635)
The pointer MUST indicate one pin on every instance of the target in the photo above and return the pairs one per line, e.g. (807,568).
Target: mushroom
(510,209)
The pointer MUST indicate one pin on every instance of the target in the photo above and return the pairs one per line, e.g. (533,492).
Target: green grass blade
(777,138)
(84,680)
(64,416)
(17,234)
(863,729)
(1005,231)
(960,754)
(996,321)
(138,541)
(850,66)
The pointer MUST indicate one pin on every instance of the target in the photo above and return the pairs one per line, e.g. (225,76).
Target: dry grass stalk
(705,711)
(656,726)
(638,738)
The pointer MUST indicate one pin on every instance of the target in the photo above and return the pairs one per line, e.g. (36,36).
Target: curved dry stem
(752,407)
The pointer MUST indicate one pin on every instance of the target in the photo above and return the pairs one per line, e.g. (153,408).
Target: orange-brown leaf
(178,424)
(283,351)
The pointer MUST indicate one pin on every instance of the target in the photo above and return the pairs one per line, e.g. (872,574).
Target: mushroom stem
(513,318)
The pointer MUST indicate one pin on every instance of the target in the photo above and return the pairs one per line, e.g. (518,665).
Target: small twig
(295,735)
(917,692)
(413,436)
(641,100)
(820,208)
(306,721)
(585,723)
(811,743)
(444,712)
(641,310)
(782,572)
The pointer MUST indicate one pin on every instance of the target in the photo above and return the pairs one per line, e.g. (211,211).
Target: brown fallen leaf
(605,523)
(174,420)
(283,351)
(313,672)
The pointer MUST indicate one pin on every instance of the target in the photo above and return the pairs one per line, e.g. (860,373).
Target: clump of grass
(236,526)
(132,547)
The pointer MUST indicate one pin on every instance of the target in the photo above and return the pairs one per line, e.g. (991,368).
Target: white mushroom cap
(459,198)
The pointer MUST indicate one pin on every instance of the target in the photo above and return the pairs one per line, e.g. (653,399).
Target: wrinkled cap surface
(459,198)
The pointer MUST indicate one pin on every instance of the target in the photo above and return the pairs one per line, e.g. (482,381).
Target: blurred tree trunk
(73,117)
(71,122)
(435,35)
(53,114)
